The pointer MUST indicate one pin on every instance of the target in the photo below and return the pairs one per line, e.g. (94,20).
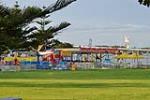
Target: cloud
(111,28)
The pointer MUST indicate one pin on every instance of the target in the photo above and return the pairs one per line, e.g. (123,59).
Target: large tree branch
(58,28)
(52,8)
(57,6)
(4,10)
(41,35)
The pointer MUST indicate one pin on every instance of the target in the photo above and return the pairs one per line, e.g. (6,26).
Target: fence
(42,65)
(106,62)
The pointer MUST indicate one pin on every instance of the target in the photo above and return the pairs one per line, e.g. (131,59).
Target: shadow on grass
(133,74)
(75,85)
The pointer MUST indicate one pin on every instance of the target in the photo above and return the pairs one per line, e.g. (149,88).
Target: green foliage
(14,23)
(45,34)
(145,2)
(57,44)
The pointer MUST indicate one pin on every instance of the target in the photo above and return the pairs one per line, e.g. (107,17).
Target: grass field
(119,84)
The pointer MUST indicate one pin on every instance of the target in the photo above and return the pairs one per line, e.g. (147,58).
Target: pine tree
(14,23)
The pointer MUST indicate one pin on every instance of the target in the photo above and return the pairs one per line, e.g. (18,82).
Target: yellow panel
(66,53)
(132,56)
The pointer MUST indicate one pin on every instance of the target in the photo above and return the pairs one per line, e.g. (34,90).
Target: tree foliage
(145,2)
(14,23)
(45,33)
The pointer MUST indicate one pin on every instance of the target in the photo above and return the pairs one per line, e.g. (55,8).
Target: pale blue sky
(105,21)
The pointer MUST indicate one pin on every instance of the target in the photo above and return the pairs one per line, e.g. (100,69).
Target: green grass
(119,84)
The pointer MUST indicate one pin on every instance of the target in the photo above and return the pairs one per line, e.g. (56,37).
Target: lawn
(110,84)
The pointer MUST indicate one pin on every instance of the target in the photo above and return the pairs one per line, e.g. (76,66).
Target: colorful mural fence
(79,58)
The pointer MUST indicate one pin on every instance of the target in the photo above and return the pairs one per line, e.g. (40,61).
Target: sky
(106,22)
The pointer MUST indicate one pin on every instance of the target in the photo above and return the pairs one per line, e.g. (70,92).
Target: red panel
(99,50)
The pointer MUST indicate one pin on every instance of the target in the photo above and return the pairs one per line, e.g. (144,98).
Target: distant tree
(57,44)
(144,2)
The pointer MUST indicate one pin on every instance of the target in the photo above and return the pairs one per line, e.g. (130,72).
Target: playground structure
(76,58)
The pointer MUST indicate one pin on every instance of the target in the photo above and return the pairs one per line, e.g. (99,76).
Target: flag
(126,40)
